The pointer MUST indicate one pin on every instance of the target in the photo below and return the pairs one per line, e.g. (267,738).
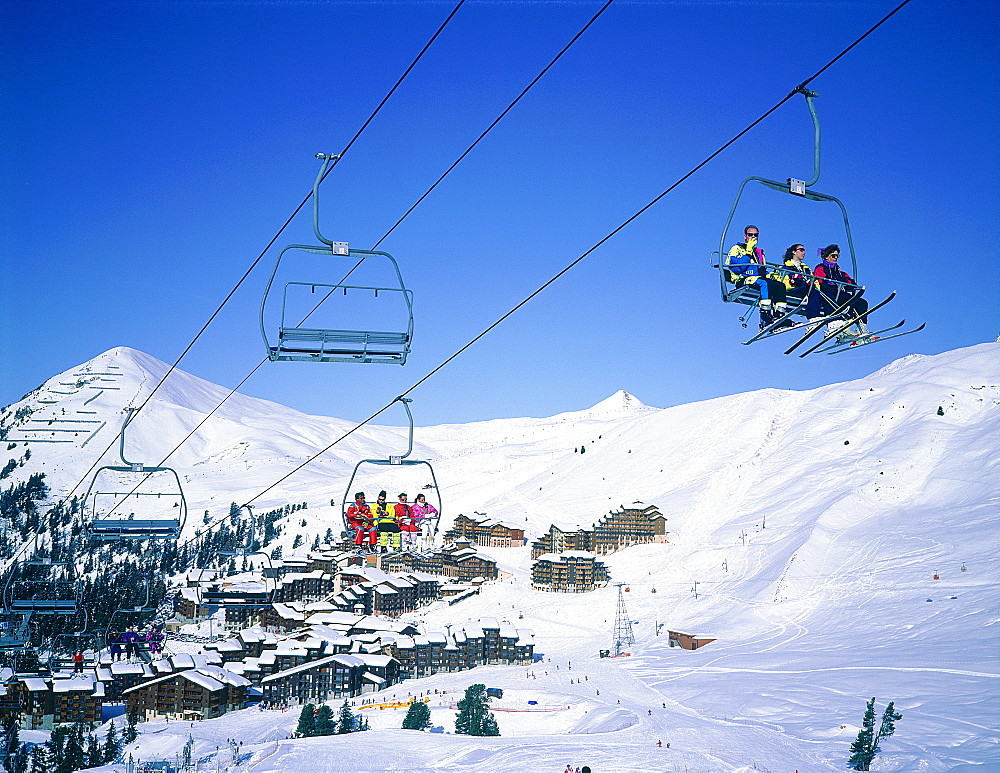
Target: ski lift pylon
(309,344)
(108,529)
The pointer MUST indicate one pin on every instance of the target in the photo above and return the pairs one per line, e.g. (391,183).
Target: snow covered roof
(320,606)
(374,678)
(76,683)
(182,660)
(376,661)
(227,645)
(211,678)
(302,667)
(288,611)
(224,675)
(327,633)
(129,668)
(191,594)
(334,618)
(35,685)
(203,680)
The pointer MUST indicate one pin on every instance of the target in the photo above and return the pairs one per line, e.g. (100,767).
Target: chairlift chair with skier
(433,520)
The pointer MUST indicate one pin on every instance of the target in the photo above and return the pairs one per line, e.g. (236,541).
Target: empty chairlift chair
(114,487)
(296,342)
(41,596)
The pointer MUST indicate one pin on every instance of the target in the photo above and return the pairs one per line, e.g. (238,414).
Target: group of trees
(320,721)
(69,748)
(865,746)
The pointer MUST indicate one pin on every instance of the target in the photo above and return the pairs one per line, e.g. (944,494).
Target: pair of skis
(844,341)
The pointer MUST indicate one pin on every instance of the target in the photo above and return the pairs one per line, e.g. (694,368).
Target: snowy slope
(812,522)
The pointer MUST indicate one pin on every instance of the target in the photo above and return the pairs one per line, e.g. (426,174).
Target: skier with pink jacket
(420,511)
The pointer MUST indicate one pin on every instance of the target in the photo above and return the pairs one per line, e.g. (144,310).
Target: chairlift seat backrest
(123,528)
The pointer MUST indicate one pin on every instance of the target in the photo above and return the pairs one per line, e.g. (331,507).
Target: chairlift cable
(495,122)
(461,157)
(272,241)
(577,260)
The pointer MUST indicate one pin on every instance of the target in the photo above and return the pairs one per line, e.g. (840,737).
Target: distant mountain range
(890,442)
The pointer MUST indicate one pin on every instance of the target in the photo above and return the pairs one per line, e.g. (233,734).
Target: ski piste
(852,321)
(770,330)
(876,339)
(817,324)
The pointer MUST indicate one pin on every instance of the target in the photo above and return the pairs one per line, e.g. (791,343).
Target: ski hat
(359,495)
(382,493)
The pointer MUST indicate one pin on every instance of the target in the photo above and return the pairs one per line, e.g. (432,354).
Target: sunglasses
(799,249)
(747,233)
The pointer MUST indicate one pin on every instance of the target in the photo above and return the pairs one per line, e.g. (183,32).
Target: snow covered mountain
(806,529)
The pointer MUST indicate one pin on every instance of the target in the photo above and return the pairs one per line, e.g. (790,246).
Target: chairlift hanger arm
(791,186)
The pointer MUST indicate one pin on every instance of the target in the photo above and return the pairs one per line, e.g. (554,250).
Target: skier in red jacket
(359,517)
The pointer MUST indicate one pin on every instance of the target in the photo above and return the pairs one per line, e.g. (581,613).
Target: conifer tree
(111,746)
(307,721)
(39,760)
(94,757)
(474,716)
(20,761)
(345,720)
(324,724)
(866,745)
(74,757)
(418,717)
(490,726)
(55,749)
(131,719)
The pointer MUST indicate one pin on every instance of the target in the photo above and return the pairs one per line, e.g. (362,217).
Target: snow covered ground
(806,529)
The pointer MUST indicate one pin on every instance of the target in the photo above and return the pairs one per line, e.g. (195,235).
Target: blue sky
(154,148)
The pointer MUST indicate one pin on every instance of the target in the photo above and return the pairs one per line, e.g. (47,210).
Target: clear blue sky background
(153,148)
